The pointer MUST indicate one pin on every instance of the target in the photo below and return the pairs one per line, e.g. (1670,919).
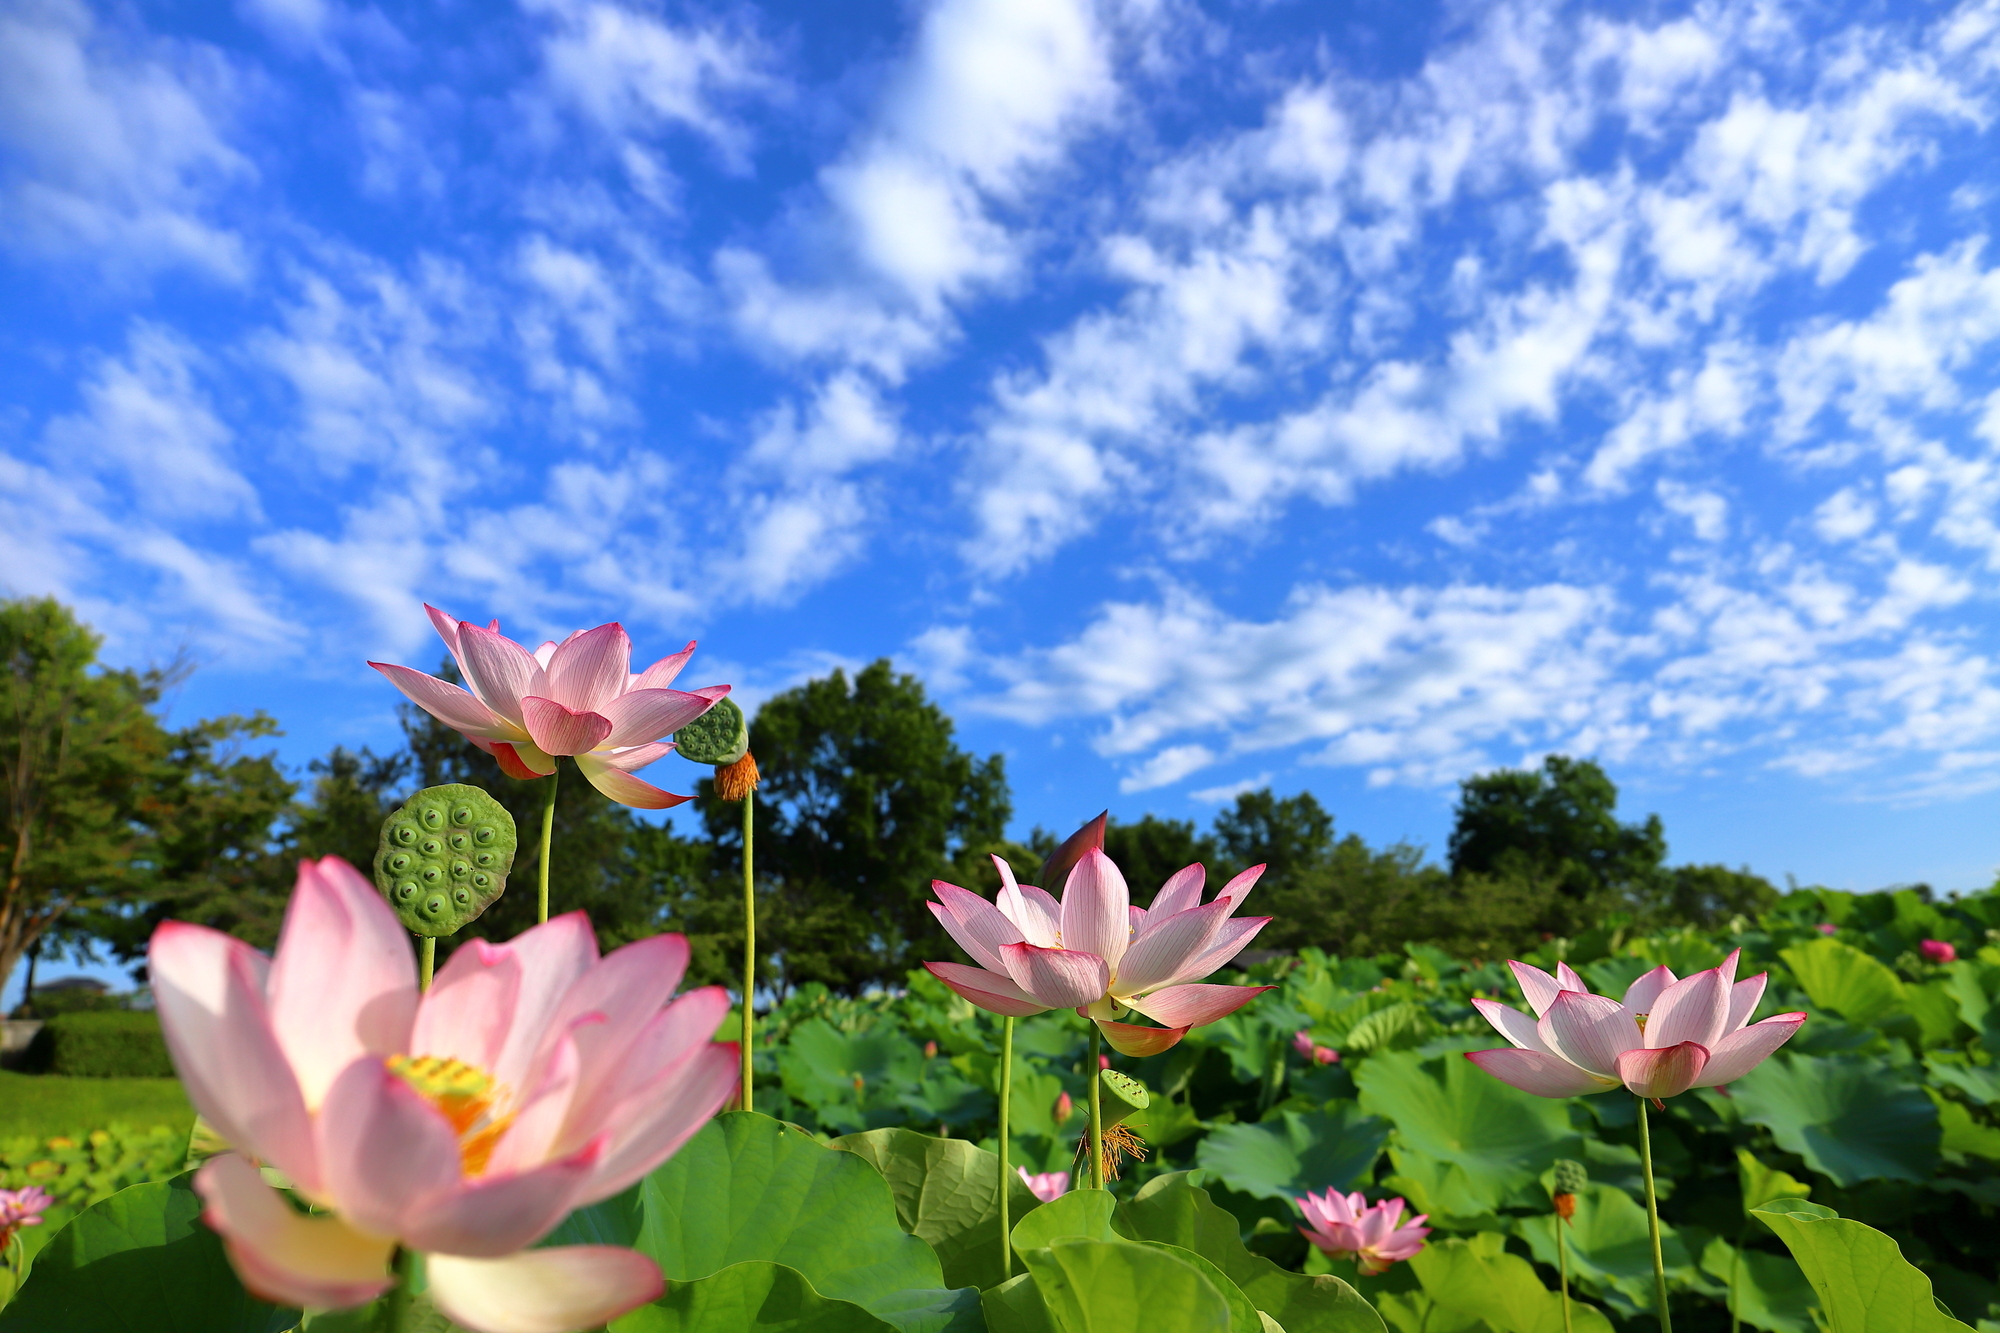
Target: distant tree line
(111,822)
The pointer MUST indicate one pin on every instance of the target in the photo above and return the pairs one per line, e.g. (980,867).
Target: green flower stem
(1562,1258)
(399,1298)
(548,831)
(427,956)
(1096,1110)
(750,945)
(1006,1101)
(1735,1278)
(1653,1222)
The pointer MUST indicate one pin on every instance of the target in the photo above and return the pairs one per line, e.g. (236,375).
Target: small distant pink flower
(1064,1107)
(1048,1186)
(1346,1227)
(1828,928)
(21,1208)
(1319,1055)
(1104,1062)
(1938,951)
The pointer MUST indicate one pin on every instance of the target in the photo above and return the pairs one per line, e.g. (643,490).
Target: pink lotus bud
(930,1050)
(1325,1055)
(1302,1042)
(1828,928)
(1064,1108)
(1104,1062)
(1937,951)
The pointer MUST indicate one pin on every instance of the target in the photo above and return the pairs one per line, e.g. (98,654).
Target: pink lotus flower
(1096,953)
(1669,1035)
(578,698)
(1048,1186)
(464,1123)
(1345,1227)
(21,1208)
(1828,928)
(1320,1055)
(1938,951)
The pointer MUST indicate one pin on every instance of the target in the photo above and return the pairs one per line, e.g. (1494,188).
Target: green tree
(1150,849)
(351,795)
(1708,896)
(1557,827)
(866,799)
(77,749)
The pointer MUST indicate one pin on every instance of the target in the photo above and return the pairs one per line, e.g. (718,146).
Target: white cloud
(1705,511)
(1229,791)
(1167,766)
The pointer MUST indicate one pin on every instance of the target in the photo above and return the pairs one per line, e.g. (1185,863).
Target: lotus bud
(443,858)
(1938,951)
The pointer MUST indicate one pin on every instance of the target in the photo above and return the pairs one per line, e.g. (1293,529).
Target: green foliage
(1296,1152)
(947,1194)
(1610,1255)
(1468,1282)
(101,1044)
(753,1297)
(41,1106)
(1840,978)
(1864,1283)
(139,1259)
(1853,1119)
(1117,1286)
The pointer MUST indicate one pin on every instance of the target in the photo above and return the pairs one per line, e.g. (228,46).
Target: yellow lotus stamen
(465,1095)
(1642,1021)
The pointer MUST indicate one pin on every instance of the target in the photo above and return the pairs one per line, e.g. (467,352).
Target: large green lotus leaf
(1077,1213)
(1840,977)
(1295,1153)
(1121,1286)
(1852,1119)
(1016,1306)
(748,1187)
(1473,1142)
(750,1297)
(1243,1316)
(918,1311)
(1764,1290)
(1477,1277)
(1961,1134)
(1762,1182)
(1863,1282)
(1935,1008)
(1979,1082)
(947,1195)
(613,1221)
(140,1259)
(1173,1210)
(1610,1249)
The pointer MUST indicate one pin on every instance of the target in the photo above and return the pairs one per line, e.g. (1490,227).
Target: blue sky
(1197,396)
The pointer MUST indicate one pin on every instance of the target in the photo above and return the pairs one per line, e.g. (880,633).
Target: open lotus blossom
(533,1077)
(578,697)
(1096,953)
(1048,1186)
(1938,951)
(1668,1035)
(1303,1043)
(1346,1227)
(24,1207)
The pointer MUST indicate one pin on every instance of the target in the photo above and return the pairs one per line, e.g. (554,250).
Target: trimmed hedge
(121,1044)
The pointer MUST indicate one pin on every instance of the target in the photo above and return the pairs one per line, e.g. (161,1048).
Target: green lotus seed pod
(719,736)
(1571,1177)
(1123,1095)
(444,857)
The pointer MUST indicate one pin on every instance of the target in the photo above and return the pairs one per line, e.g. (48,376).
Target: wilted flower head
(1096,953)
(1670,1034)
(1346,1227)
(465,1123)
(1047,1186)
(1938,951)
(1320,1055)
(21,1208)
(578,697)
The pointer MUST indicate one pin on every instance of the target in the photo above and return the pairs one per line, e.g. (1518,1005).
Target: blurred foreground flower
(578,697)
(1345,1227)
(23,1208)
(1096,953)
(533,1077)
(1048,1186)
(1938,951)
(1320,1055)
(1670,1034)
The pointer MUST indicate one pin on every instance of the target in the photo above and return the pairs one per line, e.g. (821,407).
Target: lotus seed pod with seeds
(444,857)
(719,736)
(1570,1177)
(1123,1096)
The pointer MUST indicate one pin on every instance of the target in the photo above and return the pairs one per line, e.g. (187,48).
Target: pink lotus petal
(1234,936)
(1693,1009)
(1589,1030)
(1538,988)
(1238,888)
(383,1146)
(1643,993)
(469,1009)
(552,957)
(663,672)
(209,991)
(1163,950)
(652,1123)
(1512,1024)
(559,730)
(1664,1071)
(490,1216)
(1193,1006)
(1744,997)
(1740,1052)
(1567,978)
(548,1106)
(344,982)
(447,629)
(975,923)
(1181,891)
(635,757)
(1728,967)
(989,990)
(1134,1040)
(281,1254)
(1035,912)
(675,1034)
(1093,909)
(1057,978)
(591,669)
(500,671)
(620,786)
(647,715)
(449,704)
(628,986)
(1543,1075)
(523,761)
(554,1290)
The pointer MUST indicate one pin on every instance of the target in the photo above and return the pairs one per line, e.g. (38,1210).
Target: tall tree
(77,746)
(1150,849)
(866,799)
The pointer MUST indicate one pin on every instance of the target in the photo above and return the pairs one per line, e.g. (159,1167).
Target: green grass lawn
(44,1105)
